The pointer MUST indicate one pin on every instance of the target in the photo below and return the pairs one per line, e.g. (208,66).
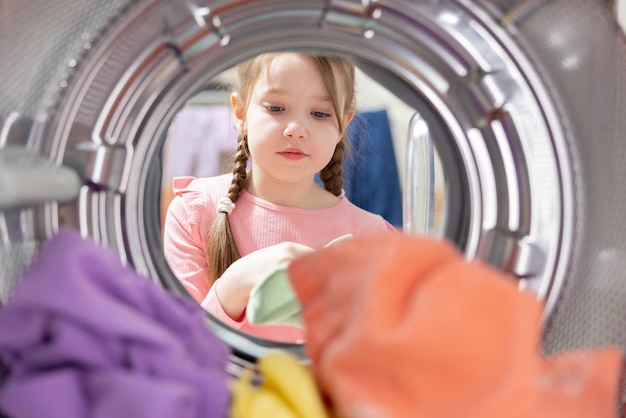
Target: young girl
(225,233)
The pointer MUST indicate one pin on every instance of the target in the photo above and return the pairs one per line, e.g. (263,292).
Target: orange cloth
(401,326)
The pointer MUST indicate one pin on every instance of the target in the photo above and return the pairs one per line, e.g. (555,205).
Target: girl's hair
(338,75)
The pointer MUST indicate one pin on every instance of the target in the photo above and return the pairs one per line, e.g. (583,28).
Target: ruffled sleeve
(183,240)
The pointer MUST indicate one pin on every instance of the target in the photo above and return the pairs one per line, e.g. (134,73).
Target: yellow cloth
(287,389)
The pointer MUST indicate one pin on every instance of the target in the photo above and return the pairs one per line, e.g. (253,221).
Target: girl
(225,233)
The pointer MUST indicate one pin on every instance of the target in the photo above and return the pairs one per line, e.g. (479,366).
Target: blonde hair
(338,75)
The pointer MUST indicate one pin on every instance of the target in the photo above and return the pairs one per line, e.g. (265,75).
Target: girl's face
(290,122)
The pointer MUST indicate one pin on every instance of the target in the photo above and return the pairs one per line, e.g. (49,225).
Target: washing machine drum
(524,102)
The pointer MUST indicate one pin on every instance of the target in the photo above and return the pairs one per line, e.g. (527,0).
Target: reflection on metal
(520,11)
(101,166)
(8,136)
(351,17)
(419,180)
(212,22)
(17,248)
(27,178)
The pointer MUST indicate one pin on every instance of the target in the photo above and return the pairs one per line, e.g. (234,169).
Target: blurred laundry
(285,388)
(397,326)
(403,326)
(84,335)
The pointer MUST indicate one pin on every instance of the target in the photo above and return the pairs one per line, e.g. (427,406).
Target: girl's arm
(184,249)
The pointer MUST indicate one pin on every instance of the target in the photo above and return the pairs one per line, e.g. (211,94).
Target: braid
(332,174)
(221,248)
(239,171)
(338,75)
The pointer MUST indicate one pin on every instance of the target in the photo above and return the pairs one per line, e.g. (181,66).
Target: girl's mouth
(292,154)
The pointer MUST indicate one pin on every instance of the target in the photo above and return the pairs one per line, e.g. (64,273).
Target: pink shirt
(256,224)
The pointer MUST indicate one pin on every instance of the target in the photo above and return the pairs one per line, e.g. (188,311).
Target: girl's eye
(320,115)
(273,108)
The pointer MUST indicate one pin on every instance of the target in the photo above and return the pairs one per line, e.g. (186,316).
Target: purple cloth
(85,335)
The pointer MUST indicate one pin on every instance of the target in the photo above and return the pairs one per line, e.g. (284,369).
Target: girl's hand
(233,287)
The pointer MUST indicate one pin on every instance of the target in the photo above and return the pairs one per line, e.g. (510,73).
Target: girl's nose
(295,130)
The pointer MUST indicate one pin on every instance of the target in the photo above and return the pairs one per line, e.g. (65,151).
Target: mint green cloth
(273,301)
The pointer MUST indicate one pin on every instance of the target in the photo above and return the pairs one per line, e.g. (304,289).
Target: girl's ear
(349,116)
(347,119)
(239,112)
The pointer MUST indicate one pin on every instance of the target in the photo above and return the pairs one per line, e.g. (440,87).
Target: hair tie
(225,205)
